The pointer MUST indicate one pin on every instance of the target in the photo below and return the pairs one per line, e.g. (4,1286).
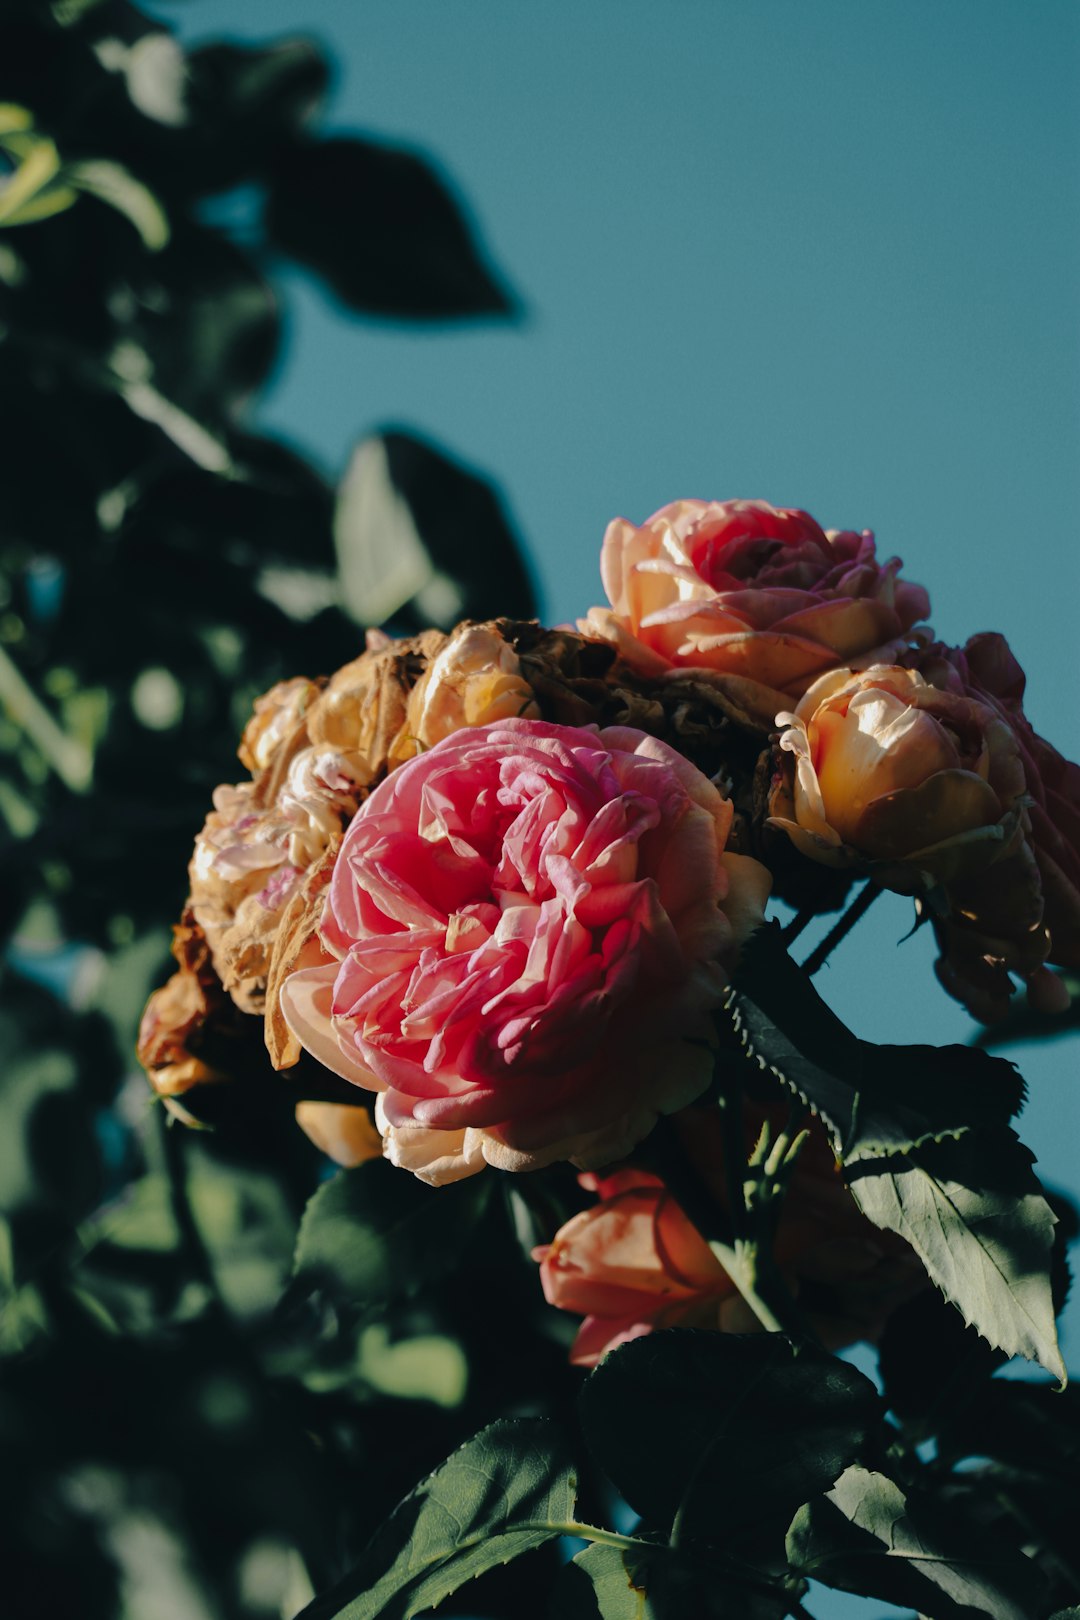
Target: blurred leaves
(161,563)
(372,1234)
(382,227)
(190,1427)
(423,539)
(181,544)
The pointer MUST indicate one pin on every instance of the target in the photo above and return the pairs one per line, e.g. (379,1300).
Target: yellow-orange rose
(887,772)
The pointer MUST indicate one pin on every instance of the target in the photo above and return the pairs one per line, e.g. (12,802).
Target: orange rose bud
(634,1262)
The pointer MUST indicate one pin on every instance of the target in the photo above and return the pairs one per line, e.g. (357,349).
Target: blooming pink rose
(526,933)
(634,1262)
(752,592)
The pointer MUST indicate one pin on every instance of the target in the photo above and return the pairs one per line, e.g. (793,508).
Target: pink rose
(752,592)
(526,933)
(634,1262)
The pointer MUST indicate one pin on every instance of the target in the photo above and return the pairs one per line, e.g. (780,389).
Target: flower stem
(802,918)
(858,908)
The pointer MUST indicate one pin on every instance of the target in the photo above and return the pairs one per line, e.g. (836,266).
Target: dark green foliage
(160,563)
(372,1234)
(730,1433)
(382,228)
(425,538)
(506,1491)
(867,1536)
(922,1135)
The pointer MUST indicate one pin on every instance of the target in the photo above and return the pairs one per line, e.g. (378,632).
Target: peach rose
(758,595)
(476,679)
(634,1262)
(922,785)
(524,938)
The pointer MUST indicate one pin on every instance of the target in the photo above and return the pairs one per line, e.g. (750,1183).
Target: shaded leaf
(246,101)
(930,1359)
(729,1433)
(873,1098)
(509,1489)
(922,1136)
(376,1232)
(423,540)
(115,185)
(865,1537)
(382,227)
(600,1584)
(612,1583)
(974,1213)
(1025,1426)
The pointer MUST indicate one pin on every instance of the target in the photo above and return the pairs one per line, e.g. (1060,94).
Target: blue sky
(827,255)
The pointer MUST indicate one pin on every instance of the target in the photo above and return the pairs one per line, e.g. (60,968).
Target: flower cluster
(498,882)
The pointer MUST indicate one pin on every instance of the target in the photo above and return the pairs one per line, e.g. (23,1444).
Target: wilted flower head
(1012,919)
(316,750)
(760,596)
(525,935)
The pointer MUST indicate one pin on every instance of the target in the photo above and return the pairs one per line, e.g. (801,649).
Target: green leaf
(614,1583)
(974,1213)
(930,1361)
(601,1583)
(922,1136)
(724,1434)
(376,1232)
(423,539)
(866,1537)
(506,1491)
(115,185)
(382,226)
(874,1099)
(1025,1426)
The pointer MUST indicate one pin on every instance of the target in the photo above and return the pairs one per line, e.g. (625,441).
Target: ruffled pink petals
(531,936)
(306,1003)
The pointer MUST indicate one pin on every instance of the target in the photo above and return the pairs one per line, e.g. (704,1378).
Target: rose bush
(634,1262)
(760,596)
(885,770)
(525,933)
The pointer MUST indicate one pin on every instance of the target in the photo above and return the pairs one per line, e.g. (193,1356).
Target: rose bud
(760,596)
(889,774)
(634,1262)
(525,934)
